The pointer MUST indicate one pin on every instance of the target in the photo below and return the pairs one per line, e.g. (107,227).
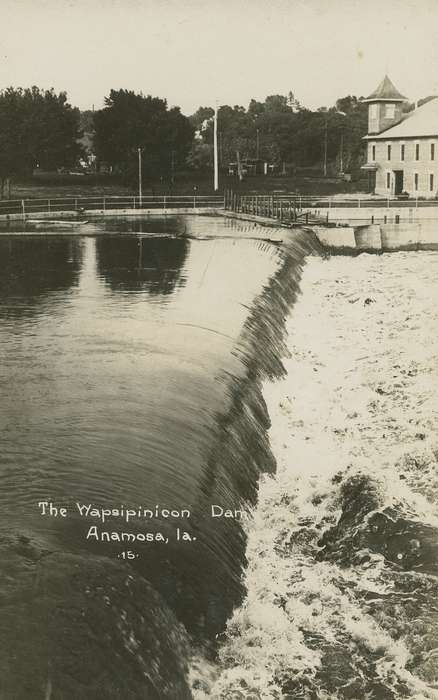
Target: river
(131,366)
(162,367)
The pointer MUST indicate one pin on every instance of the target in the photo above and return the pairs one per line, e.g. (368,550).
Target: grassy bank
(54,185)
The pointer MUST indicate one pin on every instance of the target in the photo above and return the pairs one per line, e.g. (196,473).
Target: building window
(417,151)
(388,181)
(432,151)
(431,182)
(402,151)
(390,111)
(373,152)
(388,148)
(416,182)
(374,111)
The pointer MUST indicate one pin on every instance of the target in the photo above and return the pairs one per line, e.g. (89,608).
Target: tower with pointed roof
(402,147)
(384,107)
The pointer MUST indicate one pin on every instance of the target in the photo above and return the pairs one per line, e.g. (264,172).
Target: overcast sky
(193,52)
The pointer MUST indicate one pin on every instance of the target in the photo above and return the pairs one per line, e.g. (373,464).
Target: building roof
(386,91)
(420,122)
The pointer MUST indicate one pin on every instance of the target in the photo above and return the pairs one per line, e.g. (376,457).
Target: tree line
(40,129)
(37,128)
(281,131)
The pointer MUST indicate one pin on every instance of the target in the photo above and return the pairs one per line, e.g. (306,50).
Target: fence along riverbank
(103,205)
(278,205)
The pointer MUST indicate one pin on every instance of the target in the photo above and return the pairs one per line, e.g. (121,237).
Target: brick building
(402,148)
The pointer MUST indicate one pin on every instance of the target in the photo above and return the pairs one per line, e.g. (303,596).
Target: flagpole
(140,193)
(216,164)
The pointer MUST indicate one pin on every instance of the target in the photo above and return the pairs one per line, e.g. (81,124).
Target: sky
(195,52)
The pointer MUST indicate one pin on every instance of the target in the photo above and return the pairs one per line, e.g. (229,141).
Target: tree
(201,115)
(236,131)
(256,109)
(37,127)
(274,121)
(200,156)
(130,121)
(277,103)
(86,122)
(352,128)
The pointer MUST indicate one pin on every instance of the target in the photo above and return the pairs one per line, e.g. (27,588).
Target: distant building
(402,147)
(250,166)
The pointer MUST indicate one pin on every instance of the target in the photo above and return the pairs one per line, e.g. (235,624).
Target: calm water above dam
(130,375)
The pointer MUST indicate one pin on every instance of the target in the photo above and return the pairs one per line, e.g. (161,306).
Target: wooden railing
(261,201)
(311,208)
(287,208)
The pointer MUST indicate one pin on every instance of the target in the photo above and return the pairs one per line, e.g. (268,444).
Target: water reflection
(158,225)
(33,267)
(139,263)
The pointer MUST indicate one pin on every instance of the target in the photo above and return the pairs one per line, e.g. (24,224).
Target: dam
(190,367)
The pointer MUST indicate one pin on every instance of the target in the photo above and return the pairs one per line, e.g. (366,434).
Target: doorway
(398,182)
(371,181)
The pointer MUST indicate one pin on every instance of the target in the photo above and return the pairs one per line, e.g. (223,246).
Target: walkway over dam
(351,224)
(355,208)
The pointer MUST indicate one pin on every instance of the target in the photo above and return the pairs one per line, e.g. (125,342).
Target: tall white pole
(139,177)
(342,152)
(216,164)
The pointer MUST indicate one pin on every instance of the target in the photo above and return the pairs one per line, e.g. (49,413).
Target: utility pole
(258,145)
(139,178)
(239,166)
(216,165)
(172,178)
(341,154)
(325,145)
(341,158)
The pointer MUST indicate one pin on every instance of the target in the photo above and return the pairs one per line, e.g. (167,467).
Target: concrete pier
(340,237)
(380,237)
(367,237)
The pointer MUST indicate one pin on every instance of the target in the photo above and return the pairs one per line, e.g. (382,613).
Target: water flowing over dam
(341,581)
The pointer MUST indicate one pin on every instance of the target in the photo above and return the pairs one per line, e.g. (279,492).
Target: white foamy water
(342,576)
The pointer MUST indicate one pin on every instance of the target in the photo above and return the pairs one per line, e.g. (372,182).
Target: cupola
(384,107)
